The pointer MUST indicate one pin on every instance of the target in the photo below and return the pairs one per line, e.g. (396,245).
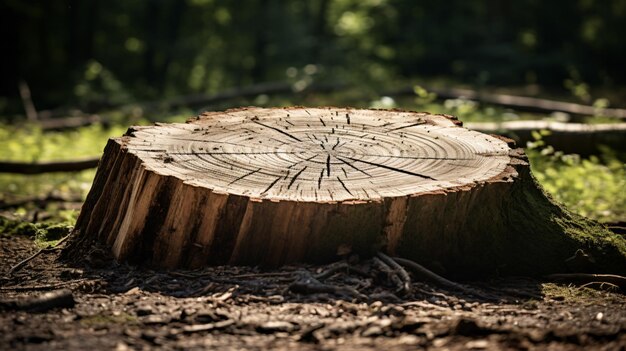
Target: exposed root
(426,273)
(389,272)
(398,272)
(340,267)
(307,284)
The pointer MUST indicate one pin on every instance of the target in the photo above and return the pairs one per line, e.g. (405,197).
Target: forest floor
(103,305)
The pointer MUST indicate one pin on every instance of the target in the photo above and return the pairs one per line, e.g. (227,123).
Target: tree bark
(275,186)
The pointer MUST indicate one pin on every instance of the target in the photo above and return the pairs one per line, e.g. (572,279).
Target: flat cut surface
(320,154)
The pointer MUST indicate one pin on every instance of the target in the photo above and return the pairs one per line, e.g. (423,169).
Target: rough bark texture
(275,186)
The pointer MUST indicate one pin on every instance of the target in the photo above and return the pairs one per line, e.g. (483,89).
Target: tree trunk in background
(276,186)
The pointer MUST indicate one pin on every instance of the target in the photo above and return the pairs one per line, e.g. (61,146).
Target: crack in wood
(323,123)
(409,126)
(328,165)
(319,181)
(243,176)
(271,185)
(295,177)
(353,166)
(240,153)
(420,158)
(400,170)
(299,162)
(278,130)
(344,186)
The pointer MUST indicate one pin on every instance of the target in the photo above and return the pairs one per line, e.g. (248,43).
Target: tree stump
(269,187)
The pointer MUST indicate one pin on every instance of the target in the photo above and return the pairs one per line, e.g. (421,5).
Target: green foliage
(593,187)
(95,55)
(45,233)
(31,144)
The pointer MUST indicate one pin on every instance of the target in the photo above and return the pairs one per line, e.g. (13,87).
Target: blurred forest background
(109,64)
(96,53)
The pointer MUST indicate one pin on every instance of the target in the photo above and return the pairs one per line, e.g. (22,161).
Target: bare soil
(122,307)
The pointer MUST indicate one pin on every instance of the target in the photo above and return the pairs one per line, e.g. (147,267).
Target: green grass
(593,187)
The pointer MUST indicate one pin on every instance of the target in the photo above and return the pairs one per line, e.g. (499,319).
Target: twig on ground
(41,287)
(601,286)
(22,263)
(399,271)
(584,278)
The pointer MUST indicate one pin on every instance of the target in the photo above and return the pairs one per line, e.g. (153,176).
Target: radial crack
(409,126)
(392,168)
(271,185)
(344,186)
(319,181)
(295,177)
(353,166)
(278,130)
(420,158)
(328,166)
(243,176)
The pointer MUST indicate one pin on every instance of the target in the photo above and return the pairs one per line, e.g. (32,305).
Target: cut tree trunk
(274,186)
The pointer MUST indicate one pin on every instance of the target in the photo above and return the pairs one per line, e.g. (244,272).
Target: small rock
(372,331)
(133,291)
(121,346)
(275,326)
(156,319)
(477,344)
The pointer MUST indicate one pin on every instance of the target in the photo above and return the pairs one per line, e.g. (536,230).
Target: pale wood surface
(320,154)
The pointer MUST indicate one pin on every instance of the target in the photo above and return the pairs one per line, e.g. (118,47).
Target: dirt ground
(105,305)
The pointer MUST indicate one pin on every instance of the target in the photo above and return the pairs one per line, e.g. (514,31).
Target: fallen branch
(520,103)
(47,301)
(568,137)
(38,201)
(59,124)
(197,100)
(48,167)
